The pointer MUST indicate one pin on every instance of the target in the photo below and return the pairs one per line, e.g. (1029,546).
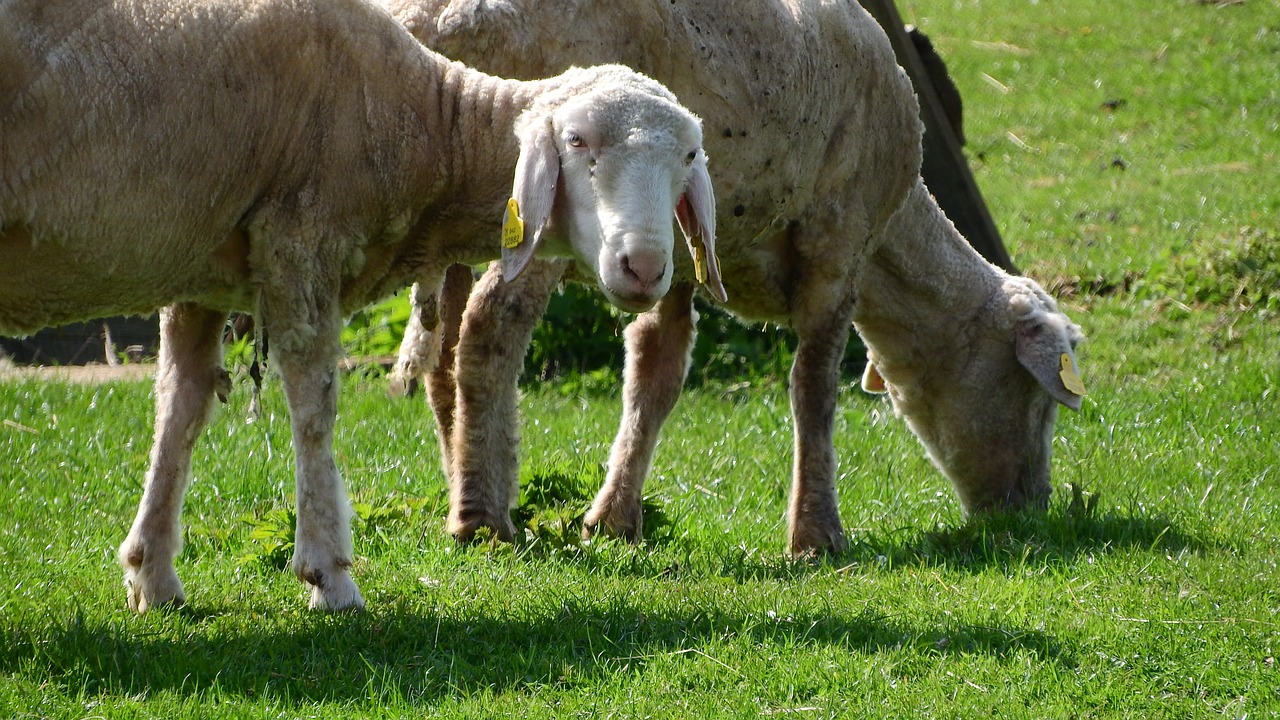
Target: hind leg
(442,384)
(421,343)
(188,375)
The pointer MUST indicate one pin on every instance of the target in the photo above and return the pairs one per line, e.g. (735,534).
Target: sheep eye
(575,140)
(693,155)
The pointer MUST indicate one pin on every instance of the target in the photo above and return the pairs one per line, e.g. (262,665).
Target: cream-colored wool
(816,138)
(300,158)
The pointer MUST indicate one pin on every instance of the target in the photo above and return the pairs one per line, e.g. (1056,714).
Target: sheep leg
(441,386)
(188,375)
(813,518)
(307,358)
(496,329)
(420,348)
(659,344)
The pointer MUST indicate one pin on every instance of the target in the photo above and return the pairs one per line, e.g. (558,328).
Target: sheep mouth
(630,302)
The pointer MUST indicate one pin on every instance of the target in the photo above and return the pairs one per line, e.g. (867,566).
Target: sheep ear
(872,380)
(696,213)
(1043,349)
(534,193)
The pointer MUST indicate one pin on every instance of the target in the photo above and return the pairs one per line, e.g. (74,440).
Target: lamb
(817,140)
(300,159)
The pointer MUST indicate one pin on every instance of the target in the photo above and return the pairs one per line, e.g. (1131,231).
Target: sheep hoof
(814,539)
(464,528)
(614,521)
(145,593)
(402,386)
(149,580)
(338,594)
(222,385)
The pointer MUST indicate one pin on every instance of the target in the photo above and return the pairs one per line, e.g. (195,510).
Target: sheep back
(145,144)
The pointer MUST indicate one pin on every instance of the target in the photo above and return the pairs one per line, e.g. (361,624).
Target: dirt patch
(78,373)
(101,373)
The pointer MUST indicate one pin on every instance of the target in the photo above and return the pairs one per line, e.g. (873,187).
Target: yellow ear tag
(699,259)
(512,225)
(1070,380)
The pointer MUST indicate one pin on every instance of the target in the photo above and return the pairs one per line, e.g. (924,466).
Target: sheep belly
(52,282)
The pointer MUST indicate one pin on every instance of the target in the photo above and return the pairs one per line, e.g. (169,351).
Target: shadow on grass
(1003,540)
(1061,536)
(398,656)
(1073,527)
(1027,538)
(395,655)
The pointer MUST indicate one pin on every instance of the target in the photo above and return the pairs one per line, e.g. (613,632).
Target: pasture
(1131,159)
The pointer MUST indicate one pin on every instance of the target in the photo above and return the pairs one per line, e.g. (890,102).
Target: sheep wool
(817,144)
(299,159)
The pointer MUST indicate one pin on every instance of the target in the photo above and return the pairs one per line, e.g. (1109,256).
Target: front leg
(813,517)
(659,344)
(306,356)
(188,375)
(496,329)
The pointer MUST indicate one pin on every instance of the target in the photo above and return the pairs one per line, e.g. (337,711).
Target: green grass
(1154,593)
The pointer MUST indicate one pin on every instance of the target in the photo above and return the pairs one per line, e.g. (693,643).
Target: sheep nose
(644,268)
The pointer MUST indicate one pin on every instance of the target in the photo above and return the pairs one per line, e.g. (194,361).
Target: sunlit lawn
(1129,156)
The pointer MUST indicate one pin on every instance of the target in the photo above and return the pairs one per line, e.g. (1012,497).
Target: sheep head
(985,407)
(606,160)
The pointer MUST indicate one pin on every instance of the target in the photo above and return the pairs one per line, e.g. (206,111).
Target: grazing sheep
(818,147)
(301,158)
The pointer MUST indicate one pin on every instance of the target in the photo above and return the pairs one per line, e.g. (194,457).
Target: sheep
(300,159)
(817,142)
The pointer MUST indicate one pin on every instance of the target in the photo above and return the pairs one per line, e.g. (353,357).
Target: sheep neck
(923,294)
(476,113)
(464,154)
(445,162)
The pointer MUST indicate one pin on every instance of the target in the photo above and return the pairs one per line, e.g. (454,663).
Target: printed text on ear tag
(699,259)
(1070,380)
(512,225)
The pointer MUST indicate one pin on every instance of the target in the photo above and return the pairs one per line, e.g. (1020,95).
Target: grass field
(1130,158)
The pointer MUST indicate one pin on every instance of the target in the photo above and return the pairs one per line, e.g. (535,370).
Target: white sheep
(301,158)
(817,143)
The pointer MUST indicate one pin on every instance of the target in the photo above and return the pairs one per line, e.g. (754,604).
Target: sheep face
(617,164)
(986,413)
